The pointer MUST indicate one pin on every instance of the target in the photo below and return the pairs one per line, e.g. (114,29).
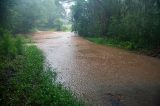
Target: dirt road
(102,75)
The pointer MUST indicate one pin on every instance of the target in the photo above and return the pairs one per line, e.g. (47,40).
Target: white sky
(67,7)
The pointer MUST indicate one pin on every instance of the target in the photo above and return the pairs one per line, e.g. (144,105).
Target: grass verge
(27,81)
(112,42)
(125,45)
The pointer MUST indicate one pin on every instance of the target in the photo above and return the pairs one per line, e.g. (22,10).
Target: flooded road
(102,76)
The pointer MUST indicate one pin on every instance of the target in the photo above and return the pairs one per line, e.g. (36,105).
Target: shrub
(9,46)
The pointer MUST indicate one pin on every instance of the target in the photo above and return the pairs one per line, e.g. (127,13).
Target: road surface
(102,76)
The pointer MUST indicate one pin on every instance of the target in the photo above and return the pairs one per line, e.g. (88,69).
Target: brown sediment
(93,71)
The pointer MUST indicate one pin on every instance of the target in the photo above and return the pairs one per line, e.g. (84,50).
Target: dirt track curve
(102,76)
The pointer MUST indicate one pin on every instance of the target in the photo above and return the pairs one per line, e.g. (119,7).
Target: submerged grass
(27,81)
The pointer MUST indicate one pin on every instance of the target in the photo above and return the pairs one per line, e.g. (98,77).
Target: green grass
(113,42)
(127,45)
(26,80)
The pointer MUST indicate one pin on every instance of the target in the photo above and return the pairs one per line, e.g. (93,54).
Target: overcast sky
(67,7)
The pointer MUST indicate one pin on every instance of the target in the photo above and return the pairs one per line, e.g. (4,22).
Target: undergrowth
(116,43)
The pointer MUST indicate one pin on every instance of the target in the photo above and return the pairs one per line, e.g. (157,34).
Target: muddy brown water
(99,74)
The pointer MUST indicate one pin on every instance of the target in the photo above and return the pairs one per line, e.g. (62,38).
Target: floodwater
(102,76)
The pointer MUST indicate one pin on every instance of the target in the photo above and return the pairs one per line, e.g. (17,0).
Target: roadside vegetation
(112,42)
(124,45)
(26,80)
(130,24)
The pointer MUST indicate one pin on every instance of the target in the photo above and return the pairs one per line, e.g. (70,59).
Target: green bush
(10,46)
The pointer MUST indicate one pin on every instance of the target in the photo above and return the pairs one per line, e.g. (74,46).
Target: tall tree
(136,21)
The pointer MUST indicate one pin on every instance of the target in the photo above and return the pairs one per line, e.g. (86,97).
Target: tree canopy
(136,21)
(24,15)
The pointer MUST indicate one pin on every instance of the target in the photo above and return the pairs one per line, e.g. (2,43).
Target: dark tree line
(24,15)
(135,21)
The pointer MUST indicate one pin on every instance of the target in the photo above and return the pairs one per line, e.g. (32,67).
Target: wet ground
(102,76)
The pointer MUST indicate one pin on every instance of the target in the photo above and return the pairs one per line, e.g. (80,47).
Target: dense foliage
(25,15)
(134,21)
